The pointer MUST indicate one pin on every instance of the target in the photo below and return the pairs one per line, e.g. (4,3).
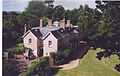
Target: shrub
(60,57)
(117,67)
(18,49)
(40,68)
(66,52)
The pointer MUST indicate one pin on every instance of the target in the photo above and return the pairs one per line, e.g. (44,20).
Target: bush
(117,67)
(60,57)
(19,48)
(66,52)
(40,68)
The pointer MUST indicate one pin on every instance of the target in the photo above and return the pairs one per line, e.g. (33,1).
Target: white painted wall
(53,48)
(33,44)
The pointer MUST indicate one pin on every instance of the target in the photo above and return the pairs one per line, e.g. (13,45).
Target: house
(51,38)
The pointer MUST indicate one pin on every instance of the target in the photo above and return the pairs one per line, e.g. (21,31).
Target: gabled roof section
(57,34)
(45,30)
(26,33)
(37,33)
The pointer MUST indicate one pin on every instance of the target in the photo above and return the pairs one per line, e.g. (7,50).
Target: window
(50,43)
(29,41)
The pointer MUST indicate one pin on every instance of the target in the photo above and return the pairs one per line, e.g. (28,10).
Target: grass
(91,66)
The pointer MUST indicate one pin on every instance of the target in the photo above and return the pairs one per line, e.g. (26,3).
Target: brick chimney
(41,23)
(25,28)
(49,22)
(68,23)
(62,23)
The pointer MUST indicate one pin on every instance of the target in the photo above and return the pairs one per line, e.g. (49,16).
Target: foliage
(117,67)
(72,15)
(60,57)
(109,38)
(40,68)
(59,13)
(88,22)
(12,30)
(45,19)
(22,74)
(5,55)
(19,48)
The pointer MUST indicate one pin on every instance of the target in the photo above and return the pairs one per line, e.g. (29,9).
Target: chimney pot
(25,28)
(62,23)
(50,22)
(41,23)
(68,23)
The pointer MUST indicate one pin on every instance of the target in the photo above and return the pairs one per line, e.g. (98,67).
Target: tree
(36,8)
(40,68)
(109,27)
(111,18)
(12,31)
(87,22)
(59,13)
(72,15)
(34,12)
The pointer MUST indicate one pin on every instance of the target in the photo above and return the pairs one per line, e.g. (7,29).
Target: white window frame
(29,41)
(49,43)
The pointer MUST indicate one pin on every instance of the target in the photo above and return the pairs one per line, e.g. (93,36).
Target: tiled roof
(57,31)
(57,34)
(45,30)
(36,32)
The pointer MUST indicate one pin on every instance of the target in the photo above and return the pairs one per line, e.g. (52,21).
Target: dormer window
(30,41)
(50,43)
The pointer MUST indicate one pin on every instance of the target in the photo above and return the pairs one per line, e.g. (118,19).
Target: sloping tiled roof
(57,34)
(57,31)
(45,30)
(36,32)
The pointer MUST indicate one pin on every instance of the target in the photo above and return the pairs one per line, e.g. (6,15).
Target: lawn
(91,66)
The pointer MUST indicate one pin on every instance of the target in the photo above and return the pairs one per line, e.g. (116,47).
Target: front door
(40,52)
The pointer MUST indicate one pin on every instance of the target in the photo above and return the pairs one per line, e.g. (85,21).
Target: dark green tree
(88,22)
(110,38)
(12,30)
(59,13)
